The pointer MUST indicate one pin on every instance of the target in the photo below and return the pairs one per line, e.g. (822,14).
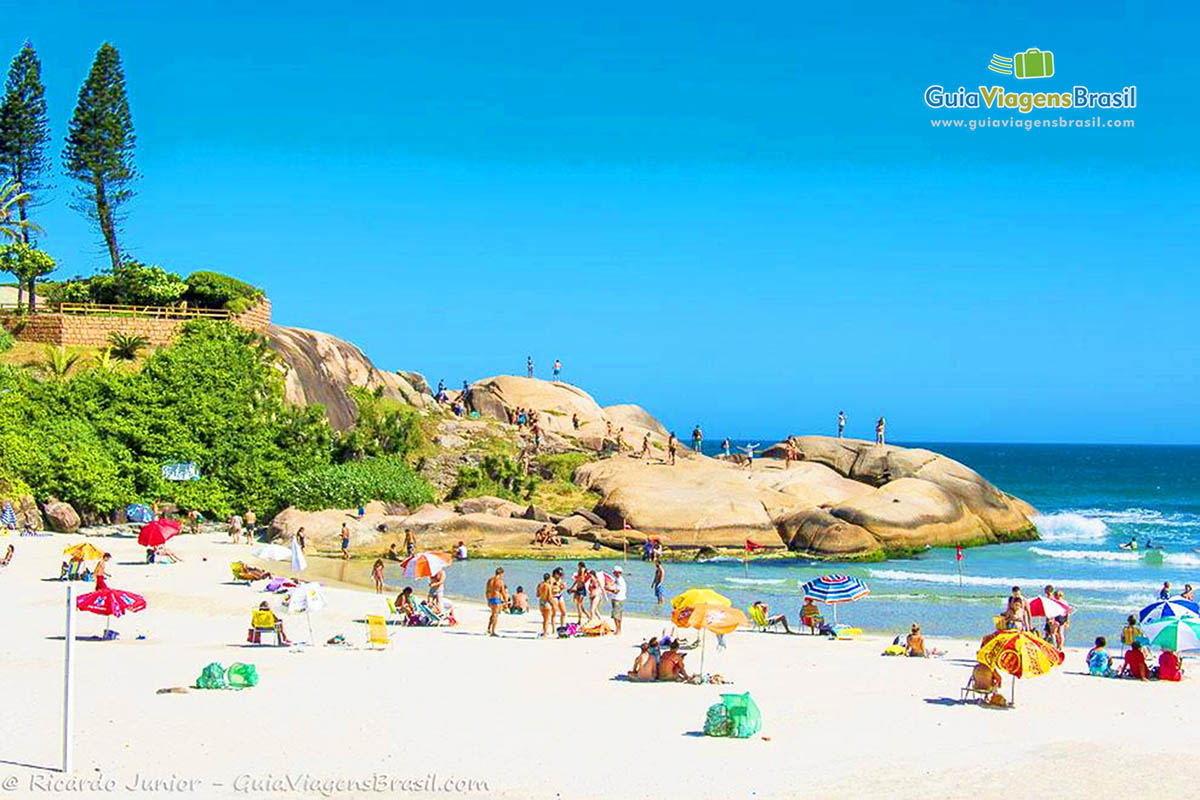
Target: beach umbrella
(157,532)
(272,552)
(84,551)
(110,603)
(425,564)
(835,589)
(305,599)
(1166,609)
(719,619)
(299,564)
(1174,633)
(1048,607)
(8,517)
(695,597)
(1020,654)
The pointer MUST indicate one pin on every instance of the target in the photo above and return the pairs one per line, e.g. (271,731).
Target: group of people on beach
(557,369)
(1017,616)
(588,589)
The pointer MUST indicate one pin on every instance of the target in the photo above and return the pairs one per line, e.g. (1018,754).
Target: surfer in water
(1132,544)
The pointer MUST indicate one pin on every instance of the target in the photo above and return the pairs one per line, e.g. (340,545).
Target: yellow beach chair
(377,634)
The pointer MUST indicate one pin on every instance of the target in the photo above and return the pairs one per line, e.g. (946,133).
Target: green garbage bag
(241,675)
(745,719)
(716,722)
(213,677)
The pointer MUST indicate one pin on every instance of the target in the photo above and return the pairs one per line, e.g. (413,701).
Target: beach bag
(241,675)
(213,677)
(745,719)
(717,722)
(568,630)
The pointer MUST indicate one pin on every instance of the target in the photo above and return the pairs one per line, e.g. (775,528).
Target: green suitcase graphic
(1033,63)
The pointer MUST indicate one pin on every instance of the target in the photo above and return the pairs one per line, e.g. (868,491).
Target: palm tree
(11,226)
(57,361)
(126,346)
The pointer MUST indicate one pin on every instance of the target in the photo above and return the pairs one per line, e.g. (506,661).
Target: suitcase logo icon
(1033,63)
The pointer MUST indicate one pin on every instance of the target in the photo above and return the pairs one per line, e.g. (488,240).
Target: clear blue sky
(737,215)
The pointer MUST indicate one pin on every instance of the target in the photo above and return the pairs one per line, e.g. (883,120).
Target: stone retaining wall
(81,330)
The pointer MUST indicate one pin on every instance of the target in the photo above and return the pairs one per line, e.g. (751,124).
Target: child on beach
(377,575)
(1098,661)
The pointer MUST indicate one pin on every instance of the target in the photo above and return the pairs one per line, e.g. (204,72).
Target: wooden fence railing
(152,312)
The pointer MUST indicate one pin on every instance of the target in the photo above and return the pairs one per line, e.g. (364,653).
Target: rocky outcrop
(23,505)
(61,517)
(321,368)
(846,498)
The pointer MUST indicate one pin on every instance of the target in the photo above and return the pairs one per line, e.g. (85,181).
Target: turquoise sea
(1090,498)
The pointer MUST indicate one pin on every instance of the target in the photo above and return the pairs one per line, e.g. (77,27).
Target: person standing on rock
(841,423)
(528,366)
(880,424)
(657,583)
(727,447)
(697,437)
(672,446)
(557,368)
(646,446)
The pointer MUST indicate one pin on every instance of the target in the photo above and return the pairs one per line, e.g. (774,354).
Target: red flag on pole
(958,553)
(751,546)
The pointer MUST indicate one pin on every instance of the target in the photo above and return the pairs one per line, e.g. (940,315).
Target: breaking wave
(1070,526)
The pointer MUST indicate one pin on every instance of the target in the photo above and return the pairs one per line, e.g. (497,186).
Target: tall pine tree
(24,131)
(99,151)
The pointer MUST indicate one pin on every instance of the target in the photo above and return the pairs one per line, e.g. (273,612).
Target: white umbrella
(272,552)
(298,562)
(307,598)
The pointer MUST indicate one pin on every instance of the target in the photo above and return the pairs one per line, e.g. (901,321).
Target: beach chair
(263,622)
(377,634)
(758,618)
(813,623)
(240,574)
(435,617)
(979,685)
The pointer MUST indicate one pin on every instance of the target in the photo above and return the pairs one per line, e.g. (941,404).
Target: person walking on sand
(617,597)
(841,423)
(235,528)
(528,366)
(251,525)
(345,540)
(497,597)
(646,446)
(545,604)
(656,584)
(880,425)
(377,575)
(557,368)
(697,437)
(193,518)
(672,445)
(410,542)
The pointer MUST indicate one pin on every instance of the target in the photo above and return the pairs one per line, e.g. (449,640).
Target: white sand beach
(532,718)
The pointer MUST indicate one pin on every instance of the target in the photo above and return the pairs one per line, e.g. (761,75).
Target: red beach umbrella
(109,603)
(425,565)
(157,532)
(1048,607)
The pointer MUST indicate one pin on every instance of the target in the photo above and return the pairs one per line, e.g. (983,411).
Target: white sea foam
(1140,516)
(1117,556)
(1069,526)
(1005,582)
(756,581)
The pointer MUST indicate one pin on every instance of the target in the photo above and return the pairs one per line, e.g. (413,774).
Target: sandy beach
(522,717)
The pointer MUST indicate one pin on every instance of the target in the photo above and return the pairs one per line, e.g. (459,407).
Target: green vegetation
(27,264)
(383,427)
(124,346)
(24,133)
(561,466)
(57,361)
(12,199)
(134,283)
(99,148)
(214,290)
(387,478)
(6,341)
(496,475)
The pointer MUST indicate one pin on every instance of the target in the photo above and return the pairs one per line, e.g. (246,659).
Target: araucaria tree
(24,132)
(99,151)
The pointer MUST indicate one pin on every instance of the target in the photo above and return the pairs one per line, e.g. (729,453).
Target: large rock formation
(321,368)
(847,498)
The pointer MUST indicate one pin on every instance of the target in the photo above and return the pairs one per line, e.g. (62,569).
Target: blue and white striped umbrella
(8,517)
(835,589)
(1166,609)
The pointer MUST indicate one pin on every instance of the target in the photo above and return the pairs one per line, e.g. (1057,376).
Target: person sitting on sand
(1135,663)
(392,554)
(914,645)
(1132,633)
(985,679)
(643,665)
(778,619)
(460,551)
(283,639)
(520,602)
(162,552)
(1169,666)
(670,665)
(8,555)
(809,614)
(1098,661)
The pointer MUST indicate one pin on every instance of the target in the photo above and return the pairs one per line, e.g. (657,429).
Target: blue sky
(734,215)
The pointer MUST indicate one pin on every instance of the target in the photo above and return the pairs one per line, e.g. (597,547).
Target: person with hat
(617,597)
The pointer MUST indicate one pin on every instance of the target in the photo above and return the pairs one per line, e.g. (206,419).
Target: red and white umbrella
(1048,607)
(425,565)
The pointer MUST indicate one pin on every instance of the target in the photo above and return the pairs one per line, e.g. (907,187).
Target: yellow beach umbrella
(1020,654)
(84,551)
(719,619)
(695,597)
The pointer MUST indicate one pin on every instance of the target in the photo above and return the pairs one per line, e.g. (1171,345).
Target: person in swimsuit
(405,606)
(520,602)
(914,644)
(643,666)
(377,575)
(579,591)
(345,540)
(437,586)
(558,587)
(595,590)
(101,572)
(8,554)
(497,596)
(545,604)
(646,446)
(672,446)
(657,583)
(410,542)
(670,666)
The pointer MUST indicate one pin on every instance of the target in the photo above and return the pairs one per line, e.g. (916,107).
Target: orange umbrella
(706,617)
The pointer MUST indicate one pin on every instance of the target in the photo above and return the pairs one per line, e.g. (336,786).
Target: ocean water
(1090,498)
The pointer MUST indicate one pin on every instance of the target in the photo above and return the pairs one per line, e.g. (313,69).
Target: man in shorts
(617,596)
(657,583)
(497,596)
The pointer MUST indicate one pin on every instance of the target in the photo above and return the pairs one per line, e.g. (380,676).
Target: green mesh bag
(213,677)
(716,722)
(241,675)
(745,719)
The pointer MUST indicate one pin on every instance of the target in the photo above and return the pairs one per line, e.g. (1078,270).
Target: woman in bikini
(545,604)
(595,590)
(558,587)
(377,575)
(579,591)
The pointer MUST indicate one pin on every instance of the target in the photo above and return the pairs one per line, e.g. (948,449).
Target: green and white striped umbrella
(1174,633)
